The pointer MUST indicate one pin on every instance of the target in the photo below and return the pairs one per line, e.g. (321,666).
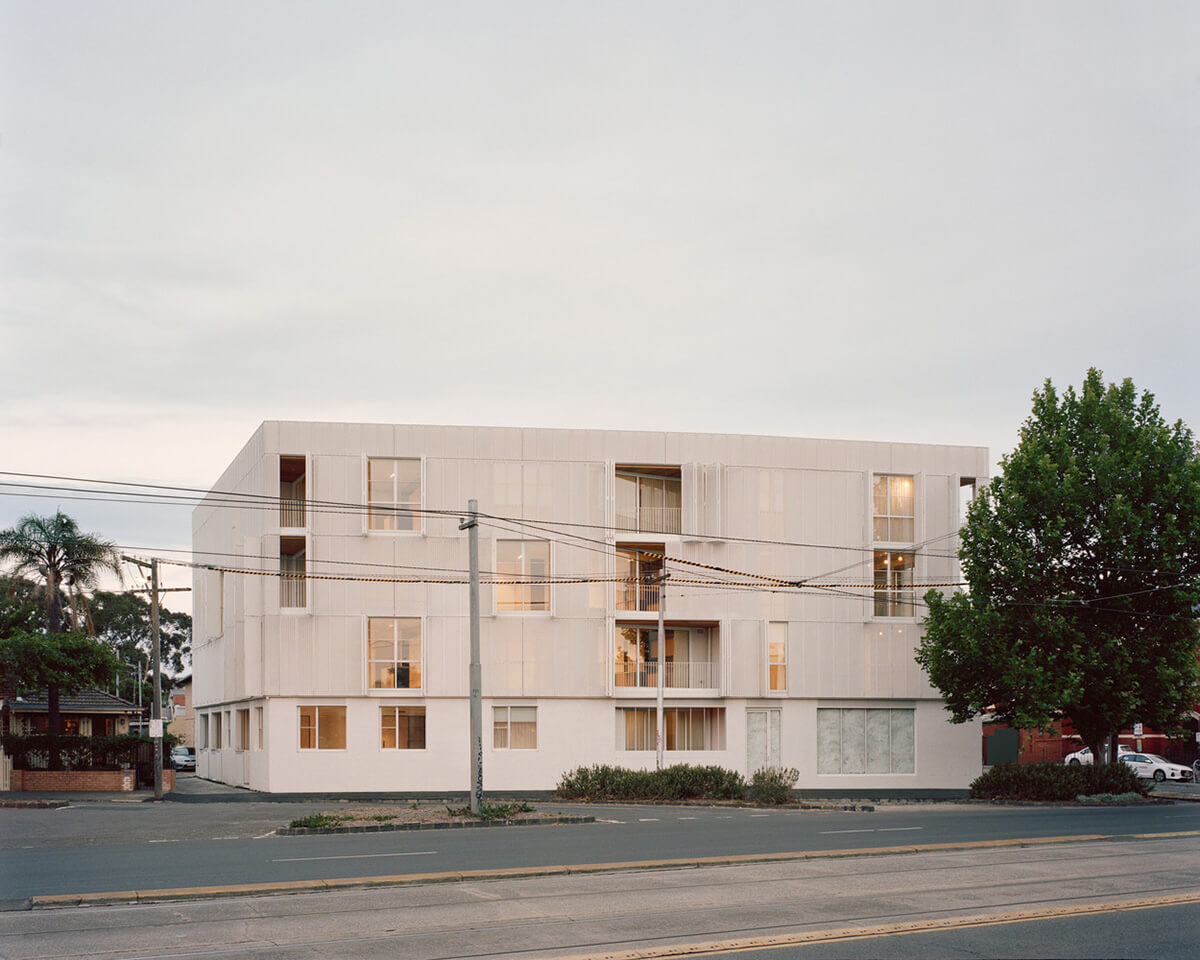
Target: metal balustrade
(651,520)
(292,590)
(291,513)
(642,597)
(684,674)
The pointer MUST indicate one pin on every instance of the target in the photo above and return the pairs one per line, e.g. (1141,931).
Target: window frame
(718,713)
(769,663)
(418,516)
(318,707)
(894,594)
(866,709)
(889,516)
(524,611)
(424,708)
(508,708)
(367,661)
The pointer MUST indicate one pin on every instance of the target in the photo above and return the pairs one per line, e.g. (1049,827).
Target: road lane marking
(687,818)
(778,941)
(866,830)
(358,856)
(647,819)
(602,820)
(760,814)
(180,840)
(898,829)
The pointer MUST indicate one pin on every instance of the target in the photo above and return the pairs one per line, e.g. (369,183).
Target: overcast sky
(875,221)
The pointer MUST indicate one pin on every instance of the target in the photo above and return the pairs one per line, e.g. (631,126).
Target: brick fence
(88,781)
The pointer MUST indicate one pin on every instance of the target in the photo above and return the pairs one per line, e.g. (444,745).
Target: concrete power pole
(471,525)
(662,668)
(156,721)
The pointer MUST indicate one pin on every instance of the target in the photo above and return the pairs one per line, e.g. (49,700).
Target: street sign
(156,729)
(1137,729)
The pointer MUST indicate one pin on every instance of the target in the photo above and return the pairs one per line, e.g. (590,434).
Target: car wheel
(1159,776)
(1074,762)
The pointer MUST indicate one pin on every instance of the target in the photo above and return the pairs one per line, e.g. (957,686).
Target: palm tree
(66,560)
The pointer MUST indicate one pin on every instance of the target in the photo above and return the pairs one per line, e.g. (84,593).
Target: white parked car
(1084,756)
(1152,766)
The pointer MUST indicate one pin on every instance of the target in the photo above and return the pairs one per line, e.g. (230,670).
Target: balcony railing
(641,597)
(291,513)
(651,520)
(686,674)
(292,591)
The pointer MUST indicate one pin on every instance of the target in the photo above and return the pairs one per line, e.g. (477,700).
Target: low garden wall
(82,781)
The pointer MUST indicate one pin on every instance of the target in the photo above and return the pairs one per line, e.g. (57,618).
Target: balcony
(292,493)
(649,499)
(639,595)
(678,675)
(293,583)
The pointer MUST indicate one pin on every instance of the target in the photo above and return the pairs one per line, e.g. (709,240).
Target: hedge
(679,782)
(1055,781)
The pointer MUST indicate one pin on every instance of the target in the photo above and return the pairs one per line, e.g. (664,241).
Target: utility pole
(471,525)
(662,668)
(156,722)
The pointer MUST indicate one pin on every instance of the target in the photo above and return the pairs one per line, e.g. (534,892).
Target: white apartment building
(347,674)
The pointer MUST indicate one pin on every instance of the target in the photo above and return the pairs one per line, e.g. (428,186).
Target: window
(394,653)
(393,494)
(322,728)
(894,584)
(777,657)
(402,728)
(893,509)
(202,731)
(523,560)
(258,727)
(865,741)
(216,732)
(243,729)
(684,728)
(514,728)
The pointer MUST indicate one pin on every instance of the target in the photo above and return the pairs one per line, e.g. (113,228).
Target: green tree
(19,607)
(31,661)
(122,620)
(1083,565)
(65,560)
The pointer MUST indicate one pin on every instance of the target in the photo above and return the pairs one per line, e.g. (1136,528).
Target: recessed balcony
(649,499)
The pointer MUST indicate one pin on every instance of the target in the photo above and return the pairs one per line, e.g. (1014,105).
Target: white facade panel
(796,510)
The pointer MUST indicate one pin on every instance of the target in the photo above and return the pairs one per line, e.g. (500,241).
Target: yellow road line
(517,873)
(778,941)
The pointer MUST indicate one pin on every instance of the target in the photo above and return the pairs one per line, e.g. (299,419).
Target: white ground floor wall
(827,741)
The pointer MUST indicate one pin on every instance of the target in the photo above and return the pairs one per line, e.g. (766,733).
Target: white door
(762,739)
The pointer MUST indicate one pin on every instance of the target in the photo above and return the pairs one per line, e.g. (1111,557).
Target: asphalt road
(85,849)
(965,902)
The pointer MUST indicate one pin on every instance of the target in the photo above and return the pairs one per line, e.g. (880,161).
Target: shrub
(679,782)
(319,821)
(1054,781)
(492,811)
(772,784)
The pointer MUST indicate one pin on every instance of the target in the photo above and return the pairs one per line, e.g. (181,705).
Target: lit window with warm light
(393,494)
(525,564)
(394,653)
(777,657)
(893,584)
(893,498)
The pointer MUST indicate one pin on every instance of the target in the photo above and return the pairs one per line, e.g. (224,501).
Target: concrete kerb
(516,873)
